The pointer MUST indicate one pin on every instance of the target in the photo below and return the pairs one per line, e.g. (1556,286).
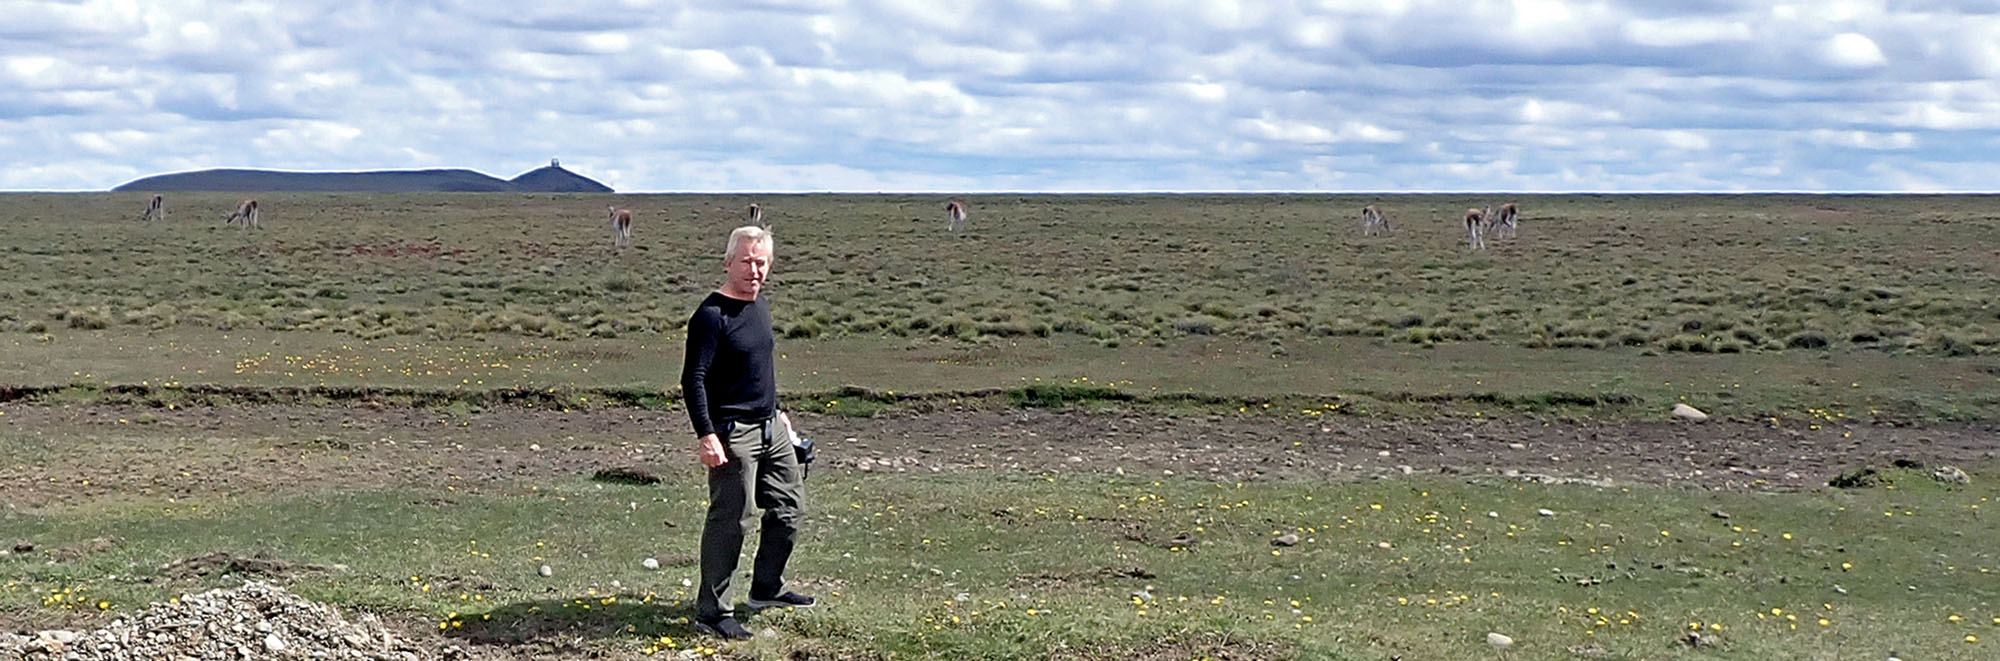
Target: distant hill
(550,179)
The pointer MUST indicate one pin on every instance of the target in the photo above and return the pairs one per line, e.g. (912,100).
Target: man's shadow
(565,624)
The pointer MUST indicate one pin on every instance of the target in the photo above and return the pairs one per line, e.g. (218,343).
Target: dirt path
(103,451)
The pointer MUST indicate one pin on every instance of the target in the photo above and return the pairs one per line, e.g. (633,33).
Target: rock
(1719,514)
(1384,545)
(1689,413)
(1517,446)
(1287,539)
(1950,475)
(274,644)
(650,563)
(1498,640)
(545,570)
(1545,512)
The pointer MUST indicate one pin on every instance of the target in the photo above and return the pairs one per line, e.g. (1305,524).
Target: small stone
(1517,446)
(1142,595)
(1383,453)
(1493,515)
(1383,545)
(650,563)
(1689,413)
(1950,475)
(1719,514)
(1546,512)
(1287,539)
(1498,640)
(534,447)
(274,644)
(545,570)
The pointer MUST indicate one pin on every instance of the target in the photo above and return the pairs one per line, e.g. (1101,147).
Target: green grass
(1028,567)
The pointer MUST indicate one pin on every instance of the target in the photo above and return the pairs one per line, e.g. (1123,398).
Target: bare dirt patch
(257,565)
(96,450)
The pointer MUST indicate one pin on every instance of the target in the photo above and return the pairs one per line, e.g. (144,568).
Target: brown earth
(66,451)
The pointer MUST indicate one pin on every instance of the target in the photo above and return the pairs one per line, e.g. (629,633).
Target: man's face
(749,267)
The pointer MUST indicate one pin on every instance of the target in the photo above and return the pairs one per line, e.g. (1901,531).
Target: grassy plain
(1669,273)
(1759,304)
(1827,310)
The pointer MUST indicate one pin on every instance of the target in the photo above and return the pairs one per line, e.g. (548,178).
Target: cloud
(1016,94)
(1852,50)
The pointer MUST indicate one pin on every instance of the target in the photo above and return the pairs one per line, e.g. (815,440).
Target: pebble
(545,570)
(1287,539)
(1546,512)
(1498,640)
(1689,413)
(650,563)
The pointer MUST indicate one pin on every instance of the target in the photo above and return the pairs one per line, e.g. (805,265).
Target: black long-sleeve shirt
(729,374)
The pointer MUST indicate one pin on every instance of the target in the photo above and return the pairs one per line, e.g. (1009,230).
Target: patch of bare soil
(257,565)
(98,450)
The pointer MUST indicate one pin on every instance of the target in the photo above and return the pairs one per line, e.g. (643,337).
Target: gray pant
(762,470)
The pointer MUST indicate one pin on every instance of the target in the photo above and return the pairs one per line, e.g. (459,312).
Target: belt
(729,428)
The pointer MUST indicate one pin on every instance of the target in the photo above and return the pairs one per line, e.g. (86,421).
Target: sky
(1020,95)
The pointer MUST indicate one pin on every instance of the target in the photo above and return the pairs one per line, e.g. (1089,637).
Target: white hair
(747,233)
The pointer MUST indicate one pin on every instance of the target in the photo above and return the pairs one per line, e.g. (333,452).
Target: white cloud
(1684,32)
(1852,50)
(1863,139)
(1019,94)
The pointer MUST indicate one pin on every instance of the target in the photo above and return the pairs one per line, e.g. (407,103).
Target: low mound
(550,179)
(256,621)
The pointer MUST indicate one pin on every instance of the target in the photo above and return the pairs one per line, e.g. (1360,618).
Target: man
(730,383)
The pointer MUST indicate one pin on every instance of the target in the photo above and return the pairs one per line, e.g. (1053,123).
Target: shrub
(805,328)
(1688,343)
(88,319)
(1807,340)
(1195,326)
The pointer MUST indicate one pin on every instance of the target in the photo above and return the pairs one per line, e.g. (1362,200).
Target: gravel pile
(256,621)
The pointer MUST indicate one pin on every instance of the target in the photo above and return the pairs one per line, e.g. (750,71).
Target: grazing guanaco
(156,210)
(1374,221)
(247,213)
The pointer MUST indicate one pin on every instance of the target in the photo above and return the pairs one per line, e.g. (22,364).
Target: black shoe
(791,599)
(727,628)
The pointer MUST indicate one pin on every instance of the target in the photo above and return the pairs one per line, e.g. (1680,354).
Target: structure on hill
(550,179)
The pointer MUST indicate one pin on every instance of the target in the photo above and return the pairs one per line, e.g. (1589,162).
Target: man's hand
(709,449)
